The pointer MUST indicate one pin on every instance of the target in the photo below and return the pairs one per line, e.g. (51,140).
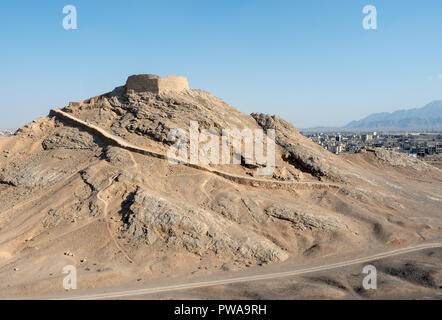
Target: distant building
(335,149)
(421,144)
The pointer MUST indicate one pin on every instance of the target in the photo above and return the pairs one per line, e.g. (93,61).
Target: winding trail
(135,164)
(105,211)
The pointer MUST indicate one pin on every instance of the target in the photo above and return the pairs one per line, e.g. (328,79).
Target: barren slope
(90,186)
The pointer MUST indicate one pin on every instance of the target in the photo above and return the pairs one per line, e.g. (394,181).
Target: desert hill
(90,185)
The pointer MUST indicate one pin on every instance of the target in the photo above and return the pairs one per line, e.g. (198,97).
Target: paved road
(300,271)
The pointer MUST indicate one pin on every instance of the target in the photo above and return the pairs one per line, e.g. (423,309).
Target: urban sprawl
(413,144)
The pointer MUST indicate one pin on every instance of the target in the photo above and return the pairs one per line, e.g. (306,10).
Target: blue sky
(309,61)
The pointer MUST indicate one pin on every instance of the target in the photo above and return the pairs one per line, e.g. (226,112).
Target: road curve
(194,285)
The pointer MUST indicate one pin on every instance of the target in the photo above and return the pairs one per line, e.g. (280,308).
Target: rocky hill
(91,185)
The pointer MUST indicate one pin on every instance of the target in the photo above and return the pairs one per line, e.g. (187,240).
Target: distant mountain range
(427,118)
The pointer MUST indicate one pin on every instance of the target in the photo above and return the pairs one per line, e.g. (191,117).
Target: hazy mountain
(428,117)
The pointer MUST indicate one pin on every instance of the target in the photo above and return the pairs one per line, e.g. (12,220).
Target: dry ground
(70,196)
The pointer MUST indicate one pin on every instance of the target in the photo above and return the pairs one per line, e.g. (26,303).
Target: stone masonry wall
(156,84)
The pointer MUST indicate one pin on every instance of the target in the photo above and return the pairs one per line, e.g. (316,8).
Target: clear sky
(309,61)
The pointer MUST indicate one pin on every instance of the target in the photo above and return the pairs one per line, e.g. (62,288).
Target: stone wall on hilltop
(156,84)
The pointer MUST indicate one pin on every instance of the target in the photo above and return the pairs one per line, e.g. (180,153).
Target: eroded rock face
(298,150)
(287,174)
(151,219)
(36,128)
(154,115)
(36,173)
(69,138)
(301,220)
(401,160)
(117,156)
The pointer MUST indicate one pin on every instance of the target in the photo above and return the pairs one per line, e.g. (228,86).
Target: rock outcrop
(302,220)
(151,219)
(297,149)
(401,160)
